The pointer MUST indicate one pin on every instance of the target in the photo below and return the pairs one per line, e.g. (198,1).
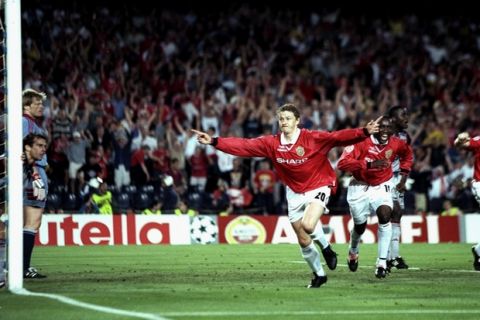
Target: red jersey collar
(26,115)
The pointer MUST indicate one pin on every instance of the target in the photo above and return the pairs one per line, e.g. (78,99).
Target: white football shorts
(364,199)
(297,202)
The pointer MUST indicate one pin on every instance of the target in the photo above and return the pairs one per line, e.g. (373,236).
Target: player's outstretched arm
(373,126)
(203,137)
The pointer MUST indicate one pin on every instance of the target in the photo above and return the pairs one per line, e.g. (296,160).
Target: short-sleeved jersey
(302,164)
(354,159)
(474,146)
(29,125)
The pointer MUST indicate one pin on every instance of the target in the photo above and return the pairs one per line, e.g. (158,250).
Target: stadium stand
(124,69)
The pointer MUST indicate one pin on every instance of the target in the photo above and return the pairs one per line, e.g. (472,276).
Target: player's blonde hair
(29,94)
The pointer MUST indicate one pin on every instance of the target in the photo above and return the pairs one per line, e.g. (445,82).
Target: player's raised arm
(347,137)
(373,126)
(203,137)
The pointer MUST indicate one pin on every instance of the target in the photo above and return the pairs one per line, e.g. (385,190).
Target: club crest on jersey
(388,153)
(300,151)
(348,149)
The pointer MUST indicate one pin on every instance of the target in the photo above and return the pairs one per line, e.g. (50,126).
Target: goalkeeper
(34,202)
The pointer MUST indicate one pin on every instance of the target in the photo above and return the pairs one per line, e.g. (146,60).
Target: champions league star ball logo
(300,151)
(203,230)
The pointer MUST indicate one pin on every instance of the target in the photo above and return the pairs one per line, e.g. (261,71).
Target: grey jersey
(404,136)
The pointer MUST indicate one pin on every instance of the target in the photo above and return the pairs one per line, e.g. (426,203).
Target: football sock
(28,243)
(354,241)
(2,260)
(319,236)
(384,236)
(312,257)
(382,263)
(395,242)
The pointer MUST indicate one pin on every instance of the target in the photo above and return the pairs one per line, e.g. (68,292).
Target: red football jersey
(474,146)
(354,159)
(303,164)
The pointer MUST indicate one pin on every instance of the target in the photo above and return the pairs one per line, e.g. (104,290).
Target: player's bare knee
(384,214)
(360,228)
(303,239)
(304,242)
(308,227)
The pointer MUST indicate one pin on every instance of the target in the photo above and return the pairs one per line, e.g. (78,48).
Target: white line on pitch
(409,268)
(313,313)
(95,307)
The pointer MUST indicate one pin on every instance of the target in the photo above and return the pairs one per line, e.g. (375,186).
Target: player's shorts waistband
(355,182)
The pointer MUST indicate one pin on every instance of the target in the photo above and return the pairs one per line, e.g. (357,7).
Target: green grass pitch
(246,282)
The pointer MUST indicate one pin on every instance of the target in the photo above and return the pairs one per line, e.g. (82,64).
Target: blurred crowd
(125,87)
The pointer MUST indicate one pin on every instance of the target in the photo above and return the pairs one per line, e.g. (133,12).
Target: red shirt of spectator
(199,163)
(162,159)
(138,157)
(265,178)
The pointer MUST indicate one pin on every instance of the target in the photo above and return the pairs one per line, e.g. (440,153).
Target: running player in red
(300,159)
(370,189)
(463,140)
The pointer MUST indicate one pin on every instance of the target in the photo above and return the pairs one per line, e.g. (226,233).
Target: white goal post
(14,143)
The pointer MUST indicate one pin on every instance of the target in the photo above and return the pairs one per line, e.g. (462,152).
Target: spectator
(438,190)
(59,163)
(77,157)
(450,210)
(199,163)
(101,138)
(169,196)
(155,209)
(144,137)
(121,155)
(346,75)
(264,183)
(179,176)
(140,170)
(102,199)
(86,173)
(184,209)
